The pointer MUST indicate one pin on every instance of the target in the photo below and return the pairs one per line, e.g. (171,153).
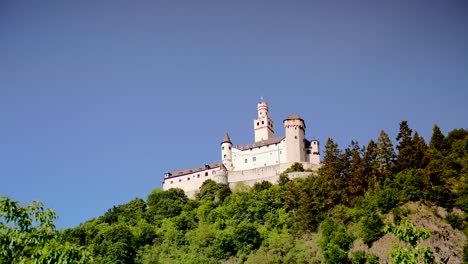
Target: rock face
(445,241)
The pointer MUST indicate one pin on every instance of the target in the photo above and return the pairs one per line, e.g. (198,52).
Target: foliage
(455,221)
(409,234)
(28,235)
(304,220)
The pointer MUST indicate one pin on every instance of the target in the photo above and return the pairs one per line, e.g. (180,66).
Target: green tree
(332,174)
(371,165)
(28,235)
(408,233)
(213,191)
(438,141)
(405,143)
(385,155)
(165,204)
(246,238)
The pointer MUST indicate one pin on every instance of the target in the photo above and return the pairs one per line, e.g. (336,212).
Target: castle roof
(226,139)
(294,117)
(262,143)
(197,169)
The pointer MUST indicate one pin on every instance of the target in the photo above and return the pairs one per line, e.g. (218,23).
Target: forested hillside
(363,203)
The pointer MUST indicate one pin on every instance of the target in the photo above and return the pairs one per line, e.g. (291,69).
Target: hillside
(362,203)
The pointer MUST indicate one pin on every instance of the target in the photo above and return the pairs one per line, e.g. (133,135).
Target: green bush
(455,221)
(358,257)
(334,254)
(372,227)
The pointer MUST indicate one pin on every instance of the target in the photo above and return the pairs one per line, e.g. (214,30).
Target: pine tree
(371,164)
(357,183)
(331,173)
(438,141)
(405,146)
(385,151)
(419,152)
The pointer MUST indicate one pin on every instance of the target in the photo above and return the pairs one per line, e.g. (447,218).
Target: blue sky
(99,98)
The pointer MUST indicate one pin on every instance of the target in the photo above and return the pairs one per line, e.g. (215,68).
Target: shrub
(455,221)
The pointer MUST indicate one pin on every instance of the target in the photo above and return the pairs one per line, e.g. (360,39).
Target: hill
(367,204)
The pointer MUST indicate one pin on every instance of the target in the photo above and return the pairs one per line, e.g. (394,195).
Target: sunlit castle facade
(260,161)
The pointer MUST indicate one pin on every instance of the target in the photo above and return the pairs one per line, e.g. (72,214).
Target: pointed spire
(226,139)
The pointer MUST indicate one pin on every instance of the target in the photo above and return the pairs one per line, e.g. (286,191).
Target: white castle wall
(264,156)
(268,173)
(192,182)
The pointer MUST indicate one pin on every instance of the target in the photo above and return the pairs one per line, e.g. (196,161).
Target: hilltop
(361,204)
(366,204)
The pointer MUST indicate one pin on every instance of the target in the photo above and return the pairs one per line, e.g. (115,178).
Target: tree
(246,238)
(405,146)
(371,165)
(332,172)
(28,235)
(213,191)
(356,181)
(438,141)
(385,154)
(419,152)
(411,235)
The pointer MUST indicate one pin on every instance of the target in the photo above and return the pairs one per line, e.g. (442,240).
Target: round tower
(315,151)
(226,152)
(263,125)
(294,127)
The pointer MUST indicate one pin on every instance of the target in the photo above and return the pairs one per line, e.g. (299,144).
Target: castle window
(180,180)
(263,122)
(254,159)
(198,176)
(188,179)
(295,137)
(206,173)
(245,161)
(229,148)
(258,123)
(315,143)
(309,151)
(172,182)
(224,156)
(222,148)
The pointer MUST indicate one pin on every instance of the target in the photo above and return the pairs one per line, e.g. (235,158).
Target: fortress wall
(268,173)
(192,182)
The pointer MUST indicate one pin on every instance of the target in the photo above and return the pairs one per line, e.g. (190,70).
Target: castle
(262,160)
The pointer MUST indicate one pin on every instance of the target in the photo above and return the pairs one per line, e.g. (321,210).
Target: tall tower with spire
(263,125)
(226,152)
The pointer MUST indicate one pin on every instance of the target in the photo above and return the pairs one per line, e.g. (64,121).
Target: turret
(294,127)
(226,152)
(263,125)
(314,149)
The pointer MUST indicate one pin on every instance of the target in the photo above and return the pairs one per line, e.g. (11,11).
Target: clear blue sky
(99,98)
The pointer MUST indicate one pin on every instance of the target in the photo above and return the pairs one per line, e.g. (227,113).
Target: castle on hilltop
(262,160)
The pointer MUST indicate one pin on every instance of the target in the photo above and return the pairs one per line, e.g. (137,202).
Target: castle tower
(294,127)
(314,156)
(263,125)
(226,152)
